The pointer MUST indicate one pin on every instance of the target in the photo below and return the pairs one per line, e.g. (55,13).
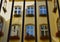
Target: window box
(29,15)
(44,37)
(58,34)
(29,37)
(15,15)
(14,38)
(44,15)
(1,33)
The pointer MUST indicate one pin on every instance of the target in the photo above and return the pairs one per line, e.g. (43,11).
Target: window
(30,30)
(43,10)
(30,10)
(44,30)
(58,24)
(1,24)
(17,10)
(15,30)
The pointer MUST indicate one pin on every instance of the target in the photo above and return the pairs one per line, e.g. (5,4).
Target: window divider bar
(23,20)
(10,24)
(35,23)
(50,40)
(1,5)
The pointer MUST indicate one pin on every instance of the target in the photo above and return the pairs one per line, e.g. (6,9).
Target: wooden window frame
(17,36)
(1,33)
(43,15)
(58,33)
(45,37)
(27,37)
(30,15)
(17,15)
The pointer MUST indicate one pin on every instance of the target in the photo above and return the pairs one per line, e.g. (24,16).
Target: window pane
(14,30)
(43,10)
(1,26)
(30,10)
(17,10)
(30,30)
(42,33)
(46,33)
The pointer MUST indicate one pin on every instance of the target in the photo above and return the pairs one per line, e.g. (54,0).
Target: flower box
(43,15)
(58,34)
(14,38)
(17,15)
(44,37)
(29,37)
(30,15)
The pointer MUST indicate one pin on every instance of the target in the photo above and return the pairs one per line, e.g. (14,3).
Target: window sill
(43,15)
(14,38)
(58,34)
(1,34)
(29,37)
(44,37)
(15,15)
(30,15)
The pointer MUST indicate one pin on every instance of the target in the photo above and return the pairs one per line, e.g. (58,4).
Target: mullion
(22,38)
(35,22)
(10,24)
(1,4)
(50,40)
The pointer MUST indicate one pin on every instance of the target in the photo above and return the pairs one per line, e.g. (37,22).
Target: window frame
(40,14)
(44,30)
(27,37)
(15,27)
(15,14)
(31,14)
(58,24)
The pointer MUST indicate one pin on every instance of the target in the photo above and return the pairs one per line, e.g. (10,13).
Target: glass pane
(46,33)
(43,10)
(42,33)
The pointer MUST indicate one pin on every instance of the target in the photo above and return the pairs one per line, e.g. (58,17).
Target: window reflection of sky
(30,30)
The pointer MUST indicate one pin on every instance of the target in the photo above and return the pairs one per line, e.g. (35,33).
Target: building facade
(30,23)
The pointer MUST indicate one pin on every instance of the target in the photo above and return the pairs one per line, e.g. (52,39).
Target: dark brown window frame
(15,15)
(30,15)
(42,15)
(29,37)
(58,32)
(44,37)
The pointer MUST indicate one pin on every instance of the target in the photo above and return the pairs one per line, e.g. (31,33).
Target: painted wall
(30,20)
